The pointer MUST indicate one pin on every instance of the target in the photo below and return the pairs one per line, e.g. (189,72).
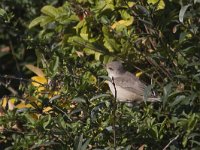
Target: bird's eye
(110,68)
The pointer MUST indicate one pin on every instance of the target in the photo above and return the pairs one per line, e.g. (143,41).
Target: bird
(127,87)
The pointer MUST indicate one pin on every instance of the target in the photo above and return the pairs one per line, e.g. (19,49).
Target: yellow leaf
(161,4)
(39,81)
(122,22)
(36,70)
(7,103)
(34,116)
(4,102)
(23,105)
(11,103)
(92,79)
(139,74)
(32,99)
(46,109)
(131,4)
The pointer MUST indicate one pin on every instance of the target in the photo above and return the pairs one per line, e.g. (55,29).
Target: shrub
(69,106)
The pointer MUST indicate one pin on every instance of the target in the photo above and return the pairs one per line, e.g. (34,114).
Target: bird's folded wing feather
(131,83)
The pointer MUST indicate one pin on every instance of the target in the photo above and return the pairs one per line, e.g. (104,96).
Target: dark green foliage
(71,42)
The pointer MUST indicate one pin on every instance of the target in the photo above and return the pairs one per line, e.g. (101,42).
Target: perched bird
(128,87)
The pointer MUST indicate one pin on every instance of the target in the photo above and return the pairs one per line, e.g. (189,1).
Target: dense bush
(68,105)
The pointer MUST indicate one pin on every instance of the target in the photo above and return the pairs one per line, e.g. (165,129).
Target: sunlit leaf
(50,11)
(182,12)
(47,109)
(139,74)
(2,12)
(36,70)
(122,22)
(39,81)
(160,3)
(36,21)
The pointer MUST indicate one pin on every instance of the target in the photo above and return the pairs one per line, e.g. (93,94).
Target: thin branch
(7,77)
(158,66)
(147,74)
(13,91)
(61,111)
(170,142)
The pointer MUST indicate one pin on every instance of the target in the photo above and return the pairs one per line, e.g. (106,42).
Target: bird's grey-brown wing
(131,83)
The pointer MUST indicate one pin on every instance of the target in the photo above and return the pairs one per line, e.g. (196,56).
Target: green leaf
(2,12)
(80,25)
(160,3)
(167,91)
(30,118)
(177,101)
(78,142)
(46,20)
(62,122)
(50,11)
(99,96)
(84,33)
(182,12)
(147,92)
(111,44)
(56,64)
(45,124)
(54,98)
(79,100)
(36,21)
(84,146)
(106,78)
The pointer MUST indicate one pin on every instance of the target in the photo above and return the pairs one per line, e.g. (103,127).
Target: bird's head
(114,68)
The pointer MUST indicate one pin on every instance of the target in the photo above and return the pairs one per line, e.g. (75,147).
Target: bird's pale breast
(124,95)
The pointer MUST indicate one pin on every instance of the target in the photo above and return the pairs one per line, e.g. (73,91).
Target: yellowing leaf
(39,81)
(23,105)
(131,4)
(161,4)
(46,109)
(7,103)
(10,104)
(36,70)
(84,33)
(92,79)
(34,100)
(4,102)
(139,74)
(123,22)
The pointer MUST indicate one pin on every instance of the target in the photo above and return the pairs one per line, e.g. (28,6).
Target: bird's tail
(153,99)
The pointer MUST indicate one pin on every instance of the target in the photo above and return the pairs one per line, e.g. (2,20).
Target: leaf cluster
(158,38)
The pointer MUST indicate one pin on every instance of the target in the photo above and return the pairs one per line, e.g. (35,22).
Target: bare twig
(56,107)
(159,67)
(13,91)
(170,142)
(7,77)
(148,75)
